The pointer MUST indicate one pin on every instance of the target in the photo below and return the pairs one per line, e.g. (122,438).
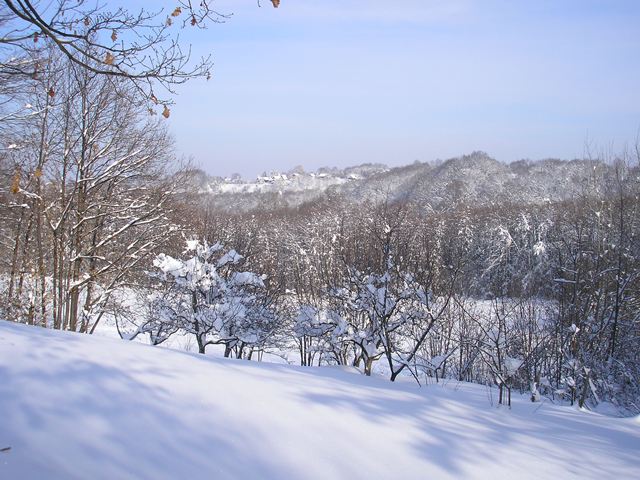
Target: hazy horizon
(434,161)
(341,83)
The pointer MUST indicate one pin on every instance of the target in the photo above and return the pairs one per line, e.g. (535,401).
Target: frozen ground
(76,406)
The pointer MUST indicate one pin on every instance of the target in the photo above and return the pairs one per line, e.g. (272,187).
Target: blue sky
(341,82)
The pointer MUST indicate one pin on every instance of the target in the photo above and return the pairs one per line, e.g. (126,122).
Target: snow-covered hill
(275,190)
(76,406)
(475,179)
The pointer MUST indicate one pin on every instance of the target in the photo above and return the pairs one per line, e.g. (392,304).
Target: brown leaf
(36,36)
(86,21)
(37,172)
(176,12)
(193,21)
(154,99)
(52,92)
(109,58)
(15,185)
(166,112)
(114,36)
(275,3)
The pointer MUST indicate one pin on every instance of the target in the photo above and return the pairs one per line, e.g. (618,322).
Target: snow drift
(76,406)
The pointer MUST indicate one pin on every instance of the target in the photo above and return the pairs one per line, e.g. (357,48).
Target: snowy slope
(75,406)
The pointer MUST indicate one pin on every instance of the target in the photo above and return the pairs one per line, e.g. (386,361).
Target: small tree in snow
(215,303)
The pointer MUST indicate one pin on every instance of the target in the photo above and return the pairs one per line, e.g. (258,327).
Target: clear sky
(341,82)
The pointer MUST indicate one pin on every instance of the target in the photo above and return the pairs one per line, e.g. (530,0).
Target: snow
(539,248)
(231,256)
(168,264)
(78,406)
(512,364)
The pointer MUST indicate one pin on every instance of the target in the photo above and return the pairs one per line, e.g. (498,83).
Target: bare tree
(144,46)
(91,192)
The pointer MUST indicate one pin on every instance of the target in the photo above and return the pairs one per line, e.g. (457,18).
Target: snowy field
(77,407)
